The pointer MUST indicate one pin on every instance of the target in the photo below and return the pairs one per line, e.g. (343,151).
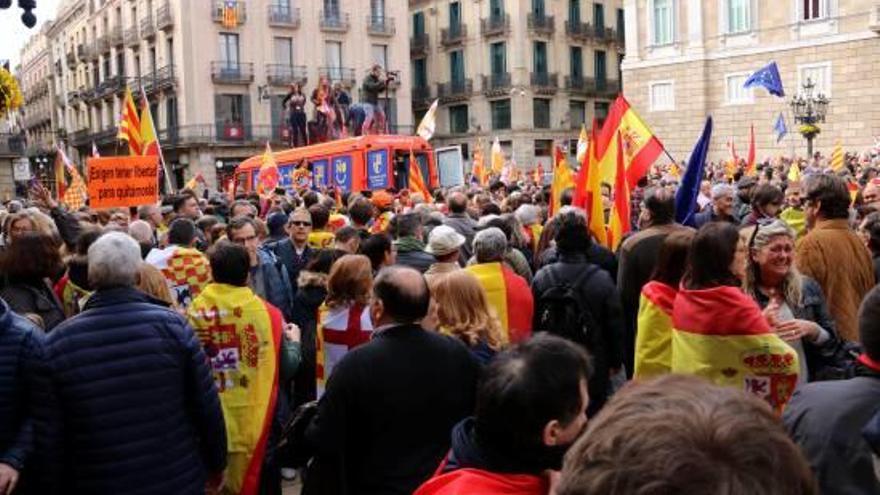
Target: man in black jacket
(382,426)
(294,252)
(596,296)
(638,257)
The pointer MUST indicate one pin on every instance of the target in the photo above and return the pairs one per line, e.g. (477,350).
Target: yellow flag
(794,173)
(837,157)
(582,144)
(497,157)
(562,180)
(594,188)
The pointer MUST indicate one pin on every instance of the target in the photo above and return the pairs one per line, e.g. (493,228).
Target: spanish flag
(241,335)
(130,125)
(268,176)
(720,334)
(640,146)
(620,210)
(510,296)
(595,211)
(562,180)
(582,143)
(654,335)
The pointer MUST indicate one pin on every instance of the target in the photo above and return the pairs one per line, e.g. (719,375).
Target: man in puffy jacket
(20,345)
(125,399)
(496,451)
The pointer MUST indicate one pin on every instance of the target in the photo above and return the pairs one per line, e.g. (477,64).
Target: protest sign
(123,181)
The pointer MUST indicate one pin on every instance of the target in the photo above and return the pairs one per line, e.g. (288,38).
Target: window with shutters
(663,22)
(541,113)
(661,96)
(500,110)
(458,119)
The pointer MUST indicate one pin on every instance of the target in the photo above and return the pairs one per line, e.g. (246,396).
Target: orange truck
(351,164)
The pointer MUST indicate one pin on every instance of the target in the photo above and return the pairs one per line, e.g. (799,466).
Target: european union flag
(686,196)
(780,128)
(767,77)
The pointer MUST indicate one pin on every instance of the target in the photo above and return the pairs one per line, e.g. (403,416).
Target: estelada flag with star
(241,335)
(640,146)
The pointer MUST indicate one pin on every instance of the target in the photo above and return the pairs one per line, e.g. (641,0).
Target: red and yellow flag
(478,171)
(720,334)
(76,195)
(538,178)
(416,181)
(654,335)
(511,298)
(640,146)
(130,125)
(595,210)
(497,157)
(60,178)
(562,180)
(620,210)
(268,177)
(149,142)
(751,169)
(241,335)
(837,157)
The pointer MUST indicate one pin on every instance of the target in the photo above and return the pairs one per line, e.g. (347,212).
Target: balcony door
(229,51)
(456,68)
(498,58)
(333,59)
(540,57)
(331,9)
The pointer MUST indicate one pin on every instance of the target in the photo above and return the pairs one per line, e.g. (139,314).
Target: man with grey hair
(139,380)
(142,232)
(507,292)
(721,209)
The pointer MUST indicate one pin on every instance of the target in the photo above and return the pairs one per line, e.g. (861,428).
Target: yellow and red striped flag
(620,210)
(582,144)
(416,181)
(720,334)
(510,296)
(837,157)
(149,142)
(130,125)
(595,210)
(562,180)
(62,165)
(654,335)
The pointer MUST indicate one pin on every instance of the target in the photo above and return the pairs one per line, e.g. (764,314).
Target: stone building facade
(687,59)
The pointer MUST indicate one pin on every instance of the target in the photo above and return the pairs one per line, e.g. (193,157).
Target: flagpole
(158,144)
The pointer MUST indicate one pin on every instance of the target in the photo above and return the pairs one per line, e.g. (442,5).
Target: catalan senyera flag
(130,124)
(497,157)
(595,210)
(241,335)
(620,210)
(268,176)
(339,330)
(416,181)
(562,180)
(511,298)
(230,14)
(654,335)
(721,334)
(149,142)
(837,157)
(582,144)
(428,123)
(640,146)
(751,168)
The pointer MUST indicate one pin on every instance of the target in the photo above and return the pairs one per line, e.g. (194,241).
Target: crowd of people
(471,342)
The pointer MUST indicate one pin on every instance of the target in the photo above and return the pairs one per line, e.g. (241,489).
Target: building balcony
(453,35)
(81,50)
(90,95)
(496,84)
(91,52)
(418,45)
(578,31)
(284,16)
(111,86)
(103,44)
(229,12)
(11,144)
(164,18)
(115,37)
(73,96)
(496,25)
(333,22)
(160,79)
(107,136)
(286,74)
(132,36)
(580,84)
(80,137)
(223,134)
(606,88)
(421,96)
(226,72)
(344,75)
(544,82)
(542,25)
(148,27)
(603,34)
(453,91)
(70,57)
(380,25)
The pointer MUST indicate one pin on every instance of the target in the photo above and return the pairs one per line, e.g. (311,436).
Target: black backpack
(560,312)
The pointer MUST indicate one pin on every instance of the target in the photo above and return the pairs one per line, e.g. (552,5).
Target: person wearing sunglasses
(294,252)
(796,302)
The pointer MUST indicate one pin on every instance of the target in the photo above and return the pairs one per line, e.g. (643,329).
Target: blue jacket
(20,343)
(270,281)
(126,402)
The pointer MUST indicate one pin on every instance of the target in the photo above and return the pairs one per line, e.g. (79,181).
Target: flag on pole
(194,181)
(689,190)
(731,147)
(268,176)
(620,210)
(767,77)
(478,171)
(562,180)
(62,166)
(416,180)
(581,192)
(582,144)
(794,173)
(837,157)
(497,157)
(149,143)
(750,160)
(780,128)
(428,123)
(640,146)
(595,210)
(130,124)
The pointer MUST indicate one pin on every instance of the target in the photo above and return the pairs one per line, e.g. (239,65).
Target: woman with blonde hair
(153,283)
(344,318)
(463,311)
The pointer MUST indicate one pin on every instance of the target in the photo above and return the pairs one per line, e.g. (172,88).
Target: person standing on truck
(375,82)
(295,102)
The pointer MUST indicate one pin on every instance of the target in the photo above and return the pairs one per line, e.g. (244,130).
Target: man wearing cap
(445,244)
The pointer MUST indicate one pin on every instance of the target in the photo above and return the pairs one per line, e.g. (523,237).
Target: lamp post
(809,110)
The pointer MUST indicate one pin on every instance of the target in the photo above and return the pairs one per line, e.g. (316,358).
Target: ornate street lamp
(28,18)
(809,110)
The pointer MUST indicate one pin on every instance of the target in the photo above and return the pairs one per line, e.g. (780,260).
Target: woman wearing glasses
(794,303)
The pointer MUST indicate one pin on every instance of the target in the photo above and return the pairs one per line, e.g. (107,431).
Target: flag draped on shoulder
(620,209)
(640,146)
(241,335)
(720,334)
(654,335)
(562,180)
(428,123)
(689,190)
(268,175)
(768,78)
(186,270)
(130,125)
(340,329)
(510,296)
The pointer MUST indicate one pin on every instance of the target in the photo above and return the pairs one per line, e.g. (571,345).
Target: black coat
(385,418)
(126,402)
(312,292)
(294,263)
(37,297)
(20,346)
(596,254)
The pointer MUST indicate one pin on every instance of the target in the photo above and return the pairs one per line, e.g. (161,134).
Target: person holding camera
(375,82)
